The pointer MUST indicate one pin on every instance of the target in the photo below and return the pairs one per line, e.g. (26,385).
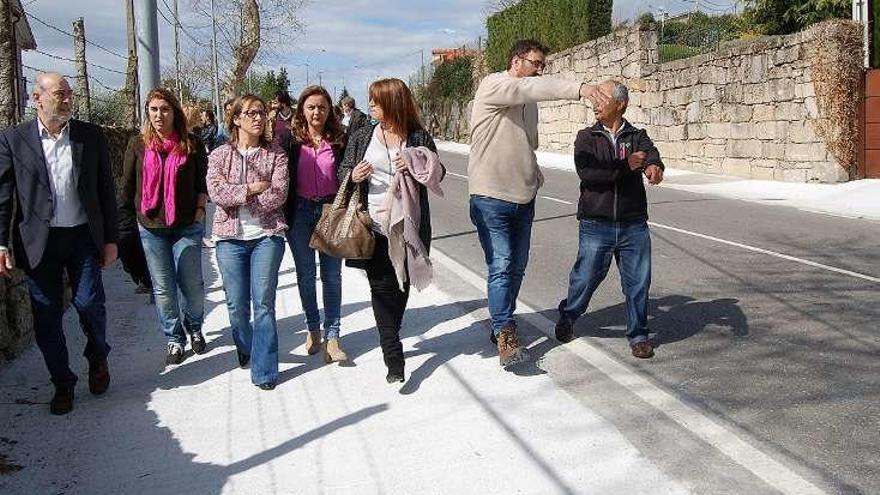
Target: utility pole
(131,79)
(177,54)
(423,67)
(218,109)
(148,48)
(8,105)
(82,99)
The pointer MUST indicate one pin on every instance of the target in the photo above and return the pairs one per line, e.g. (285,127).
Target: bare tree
(494,6)
(195,74)
(248,30)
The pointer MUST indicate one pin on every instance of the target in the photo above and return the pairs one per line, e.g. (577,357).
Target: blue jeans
(306,217)
(174,257)
(630,245)
(250,275)
(505,231)
(69,249)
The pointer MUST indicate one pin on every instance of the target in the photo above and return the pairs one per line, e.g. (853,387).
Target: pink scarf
(154,174)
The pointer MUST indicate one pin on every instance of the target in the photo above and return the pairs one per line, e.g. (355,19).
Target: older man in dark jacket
(57,172)
(611,158)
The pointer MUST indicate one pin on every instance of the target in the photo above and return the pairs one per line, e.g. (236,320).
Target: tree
(791,16)
(244,27)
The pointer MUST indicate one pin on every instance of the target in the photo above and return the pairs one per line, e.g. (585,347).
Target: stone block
(762,113)
(736,113)
(742,131)
(802,132)
(812,152)
(804,90)
(812,107)
(719,130)
(696,131)
(773,150)
(756,93)
(652,99)
(782,89)
(694,149)
(791,111)
(790,175)
(677,133)
(827,172)
(715,150)
(744,149)
(737,167)
(670,149)
(763,169)
(771,131)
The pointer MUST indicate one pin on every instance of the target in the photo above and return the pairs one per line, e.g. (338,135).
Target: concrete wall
(748,109)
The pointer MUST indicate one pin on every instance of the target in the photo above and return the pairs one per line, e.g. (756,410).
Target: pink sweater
(229,193)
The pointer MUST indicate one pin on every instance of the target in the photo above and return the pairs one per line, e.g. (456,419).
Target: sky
(344,42)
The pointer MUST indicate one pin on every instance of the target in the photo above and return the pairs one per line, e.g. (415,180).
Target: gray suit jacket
(24,178)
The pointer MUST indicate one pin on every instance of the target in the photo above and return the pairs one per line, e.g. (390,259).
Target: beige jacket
(504,134)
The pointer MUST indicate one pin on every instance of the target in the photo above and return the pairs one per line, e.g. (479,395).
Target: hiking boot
(313,342)
(510,350)
(642,350)
(333,351)
(197,342)
(174,354)
(394,377)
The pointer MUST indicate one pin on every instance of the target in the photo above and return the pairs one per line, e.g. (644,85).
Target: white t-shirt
(383,171)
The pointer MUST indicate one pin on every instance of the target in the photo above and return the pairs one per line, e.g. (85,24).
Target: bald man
(57,171)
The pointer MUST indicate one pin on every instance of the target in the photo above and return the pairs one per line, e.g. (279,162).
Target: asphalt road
(784,352)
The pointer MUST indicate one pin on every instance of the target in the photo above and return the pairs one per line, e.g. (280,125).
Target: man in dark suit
(58,173)
(352,118)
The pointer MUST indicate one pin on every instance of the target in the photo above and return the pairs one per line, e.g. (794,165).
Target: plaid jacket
(229,192)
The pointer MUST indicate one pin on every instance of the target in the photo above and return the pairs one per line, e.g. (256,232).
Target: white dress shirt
(63,179)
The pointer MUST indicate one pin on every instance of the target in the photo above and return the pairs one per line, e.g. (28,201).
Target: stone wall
(748,109)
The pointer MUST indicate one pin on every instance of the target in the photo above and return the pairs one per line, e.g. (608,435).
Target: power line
(96,45)
(90,64)
(179,24)
(45,70)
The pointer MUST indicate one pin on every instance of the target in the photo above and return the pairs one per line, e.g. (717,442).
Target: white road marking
(557,200)
(723,438)
(769,253)
(456,175)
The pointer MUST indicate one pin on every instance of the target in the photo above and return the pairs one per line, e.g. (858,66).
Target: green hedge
(558,24)
(453,79)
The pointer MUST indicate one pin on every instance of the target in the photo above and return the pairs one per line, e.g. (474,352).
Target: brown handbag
(344,230)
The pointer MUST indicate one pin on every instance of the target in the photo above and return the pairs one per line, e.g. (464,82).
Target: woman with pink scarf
(164,188)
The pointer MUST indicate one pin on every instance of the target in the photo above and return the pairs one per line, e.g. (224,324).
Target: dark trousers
(71,250)
(389,304)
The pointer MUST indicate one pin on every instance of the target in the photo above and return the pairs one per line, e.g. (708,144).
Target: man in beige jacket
(504,176)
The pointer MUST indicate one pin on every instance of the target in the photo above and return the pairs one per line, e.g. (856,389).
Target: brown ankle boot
(313,342)
(333,351)
(510,350)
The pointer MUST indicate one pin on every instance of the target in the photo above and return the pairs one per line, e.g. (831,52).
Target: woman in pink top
(314,152)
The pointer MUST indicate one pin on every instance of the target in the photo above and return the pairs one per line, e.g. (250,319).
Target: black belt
(320,199)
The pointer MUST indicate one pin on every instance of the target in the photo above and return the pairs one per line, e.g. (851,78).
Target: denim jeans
(505,231)
(69,249)
(174,257)
(250,275)
(630,245)
(306,217)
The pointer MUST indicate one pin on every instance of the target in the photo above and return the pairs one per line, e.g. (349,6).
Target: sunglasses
(535,63)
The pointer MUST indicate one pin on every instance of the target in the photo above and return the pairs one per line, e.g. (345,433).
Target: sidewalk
(458,425)
(855,199)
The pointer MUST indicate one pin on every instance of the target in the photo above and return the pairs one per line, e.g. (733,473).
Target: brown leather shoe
(333,352)
(643,350)
(313,342)
(99,376)
(62,402)
(510,350)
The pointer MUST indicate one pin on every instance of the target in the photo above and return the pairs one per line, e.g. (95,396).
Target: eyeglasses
(255,114)
(538,64)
